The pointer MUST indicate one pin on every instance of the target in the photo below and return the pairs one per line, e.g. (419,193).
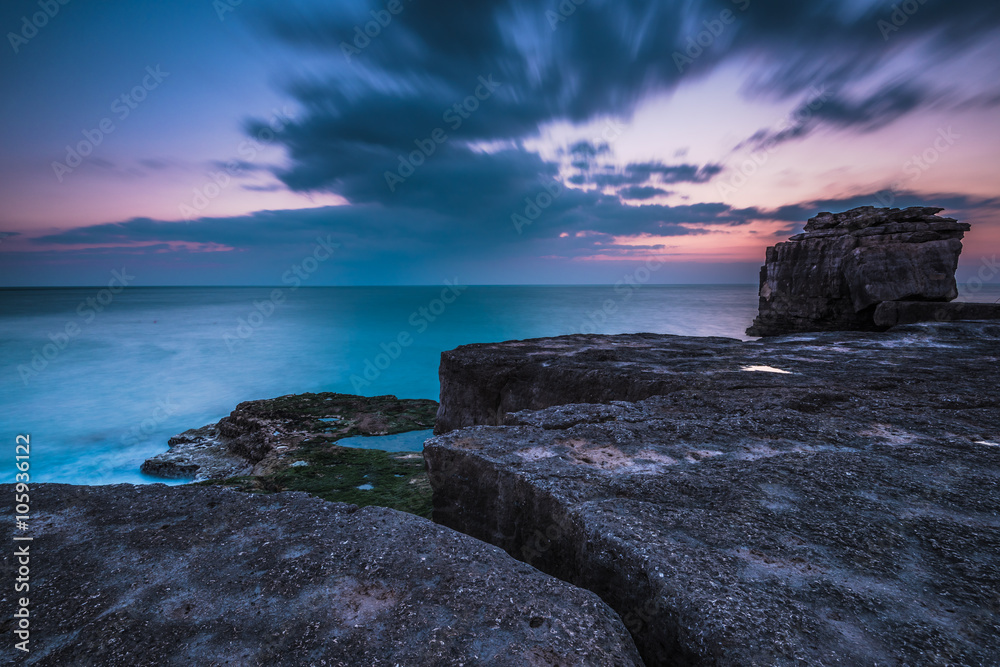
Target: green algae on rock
(359,477)
(289,444)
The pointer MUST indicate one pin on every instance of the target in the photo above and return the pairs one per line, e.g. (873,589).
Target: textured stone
(290,444)
(844,511)
(151,575)
(891,313)
(834,275)
(481,384)
(259,435)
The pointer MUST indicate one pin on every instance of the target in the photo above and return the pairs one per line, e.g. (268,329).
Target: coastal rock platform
(153,575)
(829,498)
(933,366)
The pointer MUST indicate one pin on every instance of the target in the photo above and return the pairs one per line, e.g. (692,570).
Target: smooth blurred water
(158,361)
(411,441)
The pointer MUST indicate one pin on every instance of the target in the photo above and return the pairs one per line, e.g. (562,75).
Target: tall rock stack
(849,271)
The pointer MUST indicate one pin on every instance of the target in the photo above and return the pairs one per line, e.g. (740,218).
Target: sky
(217,142)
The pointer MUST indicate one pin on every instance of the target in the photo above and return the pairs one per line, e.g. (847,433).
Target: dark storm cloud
(589,149)
(644,172)
(678,173)
(456,179)
(641,192)
(574,224)
(865,113)
(266,229)
(384,96)
(423,129)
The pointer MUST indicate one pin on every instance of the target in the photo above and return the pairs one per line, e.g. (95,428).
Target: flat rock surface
(951,366)
(844,512)
(150,575)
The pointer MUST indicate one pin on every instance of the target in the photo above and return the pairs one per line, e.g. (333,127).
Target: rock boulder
(835,274)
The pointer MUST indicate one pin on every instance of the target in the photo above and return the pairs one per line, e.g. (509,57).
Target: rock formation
(290,444)
(834,275)
(828,498)
(152,575)
(890,313)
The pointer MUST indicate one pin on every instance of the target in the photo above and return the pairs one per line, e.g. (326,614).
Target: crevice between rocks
(534,526)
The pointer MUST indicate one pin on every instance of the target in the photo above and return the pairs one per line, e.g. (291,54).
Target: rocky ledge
(940,364)
(125,575)
(834,275)
(812,499)
(289,444)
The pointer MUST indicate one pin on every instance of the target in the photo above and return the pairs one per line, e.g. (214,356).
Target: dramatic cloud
(406,118)
(642,192)
(451,131)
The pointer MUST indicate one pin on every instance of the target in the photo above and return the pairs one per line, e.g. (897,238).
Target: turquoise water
(101,385)
(413,441)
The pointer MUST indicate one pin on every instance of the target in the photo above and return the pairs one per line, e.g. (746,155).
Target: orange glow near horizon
(717,243)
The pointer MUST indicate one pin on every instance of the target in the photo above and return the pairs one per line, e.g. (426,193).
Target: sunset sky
(498,141)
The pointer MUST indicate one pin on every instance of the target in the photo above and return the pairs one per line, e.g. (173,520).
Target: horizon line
(131,287)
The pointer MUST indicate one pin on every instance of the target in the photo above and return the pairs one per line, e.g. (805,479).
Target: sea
(100,380)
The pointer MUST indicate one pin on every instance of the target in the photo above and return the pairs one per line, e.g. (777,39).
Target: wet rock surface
(289,444)
(126,575)
(833,275)
(198,454)
(837,504)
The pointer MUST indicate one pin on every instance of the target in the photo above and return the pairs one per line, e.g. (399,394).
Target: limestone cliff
(835,274)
